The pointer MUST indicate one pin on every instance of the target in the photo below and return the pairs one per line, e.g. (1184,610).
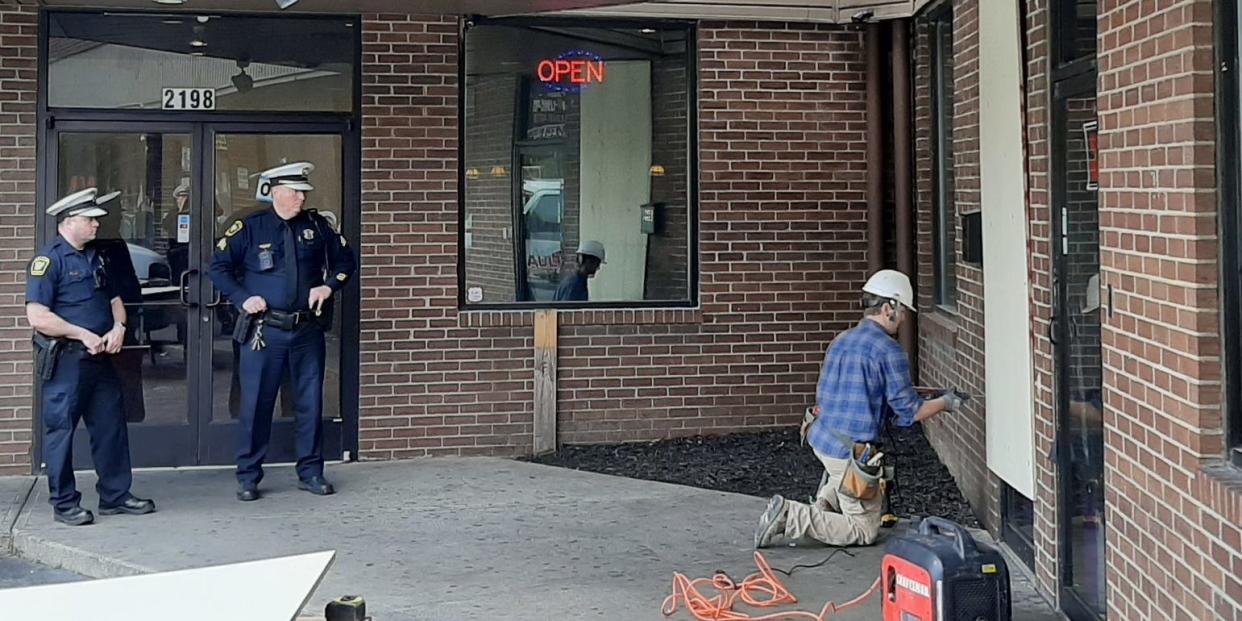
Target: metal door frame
(1084,83)
(206,443)
(178,450)
(341,439)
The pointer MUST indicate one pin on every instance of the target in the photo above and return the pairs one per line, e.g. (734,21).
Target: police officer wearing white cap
(79,322)
(573,287)
(280,267)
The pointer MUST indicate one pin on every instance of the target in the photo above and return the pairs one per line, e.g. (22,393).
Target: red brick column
(1173,528)
(18,68)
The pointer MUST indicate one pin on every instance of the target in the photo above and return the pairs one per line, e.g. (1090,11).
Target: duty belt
(286,320)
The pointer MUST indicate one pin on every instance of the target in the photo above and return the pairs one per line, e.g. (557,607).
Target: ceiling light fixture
(169,2)
(198,43)
(648,31)
(284,4)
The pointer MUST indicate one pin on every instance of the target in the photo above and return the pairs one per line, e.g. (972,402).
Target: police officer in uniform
(280,267)
(79,323)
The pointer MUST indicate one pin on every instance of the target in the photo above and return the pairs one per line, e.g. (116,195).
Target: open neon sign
(571,72)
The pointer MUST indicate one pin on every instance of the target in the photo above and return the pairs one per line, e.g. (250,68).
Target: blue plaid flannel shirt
(866,374)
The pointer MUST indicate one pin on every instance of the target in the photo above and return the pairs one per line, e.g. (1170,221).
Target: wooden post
(545,381)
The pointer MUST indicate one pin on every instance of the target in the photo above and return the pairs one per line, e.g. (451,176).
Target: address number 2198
(188,99)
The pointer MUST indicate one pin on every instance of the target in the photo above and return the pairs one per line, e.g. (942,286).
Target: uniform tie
(291,268)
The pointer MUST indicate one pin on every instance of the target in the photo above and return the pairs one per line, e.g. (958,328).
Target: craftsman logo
(913,586)
(571,72)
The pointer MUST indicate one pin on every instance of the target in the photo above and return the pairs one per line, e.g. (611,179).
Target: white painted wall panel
(615,176)
(1006,286)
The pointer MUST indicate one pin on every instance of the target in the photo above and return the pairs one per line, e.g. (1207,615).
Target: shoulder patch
(343,243)
(38,267)
(234,228)
(223,243)
(342,277)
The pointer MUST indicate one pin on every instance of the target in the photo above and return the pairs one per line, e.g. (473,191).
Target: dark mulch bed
(774,462)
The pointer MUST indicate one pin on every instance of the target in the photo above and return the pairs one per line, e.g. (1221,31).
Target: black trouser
(85,387)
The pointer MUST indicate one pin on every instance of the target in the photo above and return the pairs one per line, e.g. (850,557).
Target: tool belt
(865,469)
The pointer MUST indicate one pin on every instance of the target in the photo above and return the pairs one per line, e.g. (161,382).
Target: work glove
(953,400)
(808,419)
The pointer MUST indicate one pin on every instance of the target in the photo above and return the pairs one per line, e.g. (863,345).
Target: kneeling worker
(865,373)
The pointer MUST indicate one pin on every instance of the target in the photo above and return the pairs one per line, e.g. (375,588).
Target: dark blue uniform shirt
(300,250)
(73,284)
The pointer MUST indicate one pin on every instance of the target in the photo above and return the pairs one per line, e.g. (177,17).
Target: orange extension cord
(751,591)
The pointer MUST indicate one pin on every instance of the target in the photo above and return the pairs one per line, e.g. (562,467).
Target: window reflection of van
(542,210)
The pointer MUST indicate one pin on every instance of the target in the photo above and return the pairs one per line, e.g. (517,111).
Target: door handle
(185,288)
(217,301)
(1052,315)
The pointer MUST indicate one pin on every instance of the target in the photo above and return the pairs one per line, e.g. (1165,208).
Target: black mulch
(773,462)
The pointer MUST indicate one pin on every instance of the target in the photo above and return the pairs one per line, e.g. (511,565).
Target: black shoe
(248,492)
(132,505)
(318,486)
(75,516)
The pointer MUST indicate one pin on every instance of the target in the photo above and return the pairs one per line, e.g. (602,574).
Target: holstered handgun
(243,326)
(47,352)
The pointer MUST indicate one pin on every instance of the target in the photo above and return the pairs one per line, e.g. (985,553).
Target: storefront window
(577,139)
(191,62)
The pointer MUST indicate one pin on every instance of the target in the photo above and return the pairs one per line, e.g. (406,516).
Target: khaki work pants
(835,519)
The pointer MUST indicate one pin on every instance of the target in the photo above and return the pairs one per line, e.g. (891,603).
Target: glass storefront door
(1079,379)
(237,156)
(181,185)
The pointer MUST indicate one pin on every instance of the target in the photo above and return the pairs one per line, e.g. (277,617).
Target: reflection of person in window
(573,287)
(181,194)
(1086,411)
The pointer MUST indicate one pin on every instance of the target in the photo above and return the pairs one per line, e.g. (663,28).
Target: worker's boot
(771,523)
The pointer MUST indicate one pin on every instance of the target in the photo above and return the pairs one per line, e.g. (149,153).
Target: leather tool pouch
(861,481)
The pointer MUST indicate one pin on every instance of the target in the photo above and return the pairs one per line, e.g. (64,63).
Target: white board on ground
(268,590)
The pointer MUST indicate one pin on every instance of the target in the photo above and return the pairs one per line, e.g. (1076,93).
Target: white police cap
(295,176)
(82,203)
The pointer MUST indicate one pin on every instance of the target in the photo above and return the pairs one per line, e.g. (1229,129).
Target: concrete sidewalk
(451,539)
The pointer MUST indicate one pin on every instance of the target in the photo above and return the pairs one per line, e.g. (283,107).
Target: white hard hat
(892,285)
(592,248)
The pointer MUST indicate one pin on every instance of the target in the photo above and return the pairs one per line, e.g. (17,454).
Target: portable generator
(939,573)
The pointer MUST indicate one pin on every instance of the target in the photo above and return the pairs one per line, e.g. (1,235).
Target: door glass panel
(144,239)
(239,158)
(1083,427)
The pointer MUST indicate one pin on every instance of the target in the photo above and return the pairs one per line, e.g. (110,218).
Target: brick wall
(951,340)
(782,247)
(18,67)
(1038,92)
(1166,498)
(429,385)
